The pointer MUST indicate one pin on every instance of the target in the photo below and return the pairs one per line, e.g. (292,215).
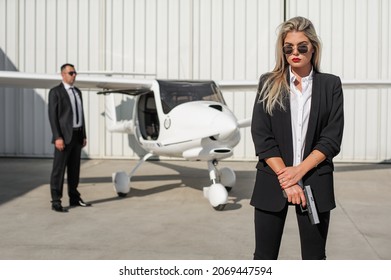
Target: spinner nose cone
(226,126)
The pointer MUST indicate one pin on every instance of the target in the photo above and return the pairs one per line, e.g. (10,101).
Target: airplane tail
(112,124)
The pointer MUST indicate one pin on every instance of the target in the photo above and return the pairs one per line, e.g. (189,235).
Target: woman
(297,129)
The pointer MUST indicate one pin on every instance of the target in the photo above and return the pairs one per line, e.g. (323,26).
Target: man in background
(66,119)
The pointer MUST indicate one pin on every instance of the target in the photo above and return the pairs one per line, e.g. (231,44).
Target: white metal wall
(188,39)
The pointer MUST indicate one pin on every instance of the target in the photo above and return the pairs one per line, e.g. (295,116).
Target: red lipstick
(296,59)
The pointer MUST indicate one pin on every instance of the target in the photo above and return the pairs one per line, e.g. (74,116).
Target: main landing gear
(222,182)
(121,179)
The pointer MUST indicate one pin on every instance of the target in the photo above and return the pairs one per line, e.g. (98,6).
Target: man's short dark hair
(65,65)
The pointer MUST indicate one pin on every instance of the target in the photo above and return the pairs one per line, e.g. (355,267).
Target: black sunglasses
(300,48)
(71,73)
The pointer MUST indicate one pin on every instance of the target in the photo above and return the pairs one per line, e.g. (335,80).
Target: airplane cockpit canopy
(174,93)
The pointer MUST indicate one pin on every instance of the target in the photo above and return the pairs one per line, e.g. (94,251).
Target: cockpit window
(174,93)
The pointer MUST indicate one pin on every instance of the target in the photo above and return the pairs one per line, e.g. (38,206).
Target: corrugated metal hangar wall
(190,39)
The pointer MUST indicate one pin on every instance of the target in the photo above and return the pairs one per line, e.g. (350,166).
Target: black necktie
(76,108)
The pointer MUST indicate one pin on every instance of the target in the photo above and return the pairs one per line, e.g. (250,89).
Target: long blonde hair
(275,85)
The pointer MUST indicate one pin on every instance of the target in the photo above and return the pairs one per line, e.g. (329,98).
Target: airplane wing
(34,80)
(238,85)
(244,122)
(103,84)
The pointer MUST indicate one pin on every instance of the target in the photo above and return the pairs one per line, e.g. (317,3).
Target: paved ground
(166,216)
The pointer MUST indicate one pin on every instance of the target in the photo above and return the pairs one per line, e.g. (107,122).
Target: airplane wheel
(121,182)
(227,177)
(218,196)
(220,207)
(122,194)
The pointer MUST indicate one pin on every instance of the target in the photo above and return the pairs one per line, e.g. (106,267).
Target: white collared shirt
(300,112)
(79,105)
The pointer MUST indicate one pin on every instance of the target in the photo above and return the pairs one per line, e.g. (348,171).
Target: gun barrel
(311,207)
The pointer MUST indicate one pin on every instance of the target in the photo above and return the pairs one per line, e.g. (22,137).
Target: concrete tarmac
(166,217)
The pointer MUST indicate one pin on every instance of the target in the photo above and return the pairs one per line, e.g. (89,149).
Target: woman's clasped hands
(289,178)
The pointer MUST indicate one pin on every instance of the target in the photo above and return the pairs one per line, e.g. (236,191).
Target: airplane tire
(227,177)
(220,207)
(217,195)
(121,181)
(120,194)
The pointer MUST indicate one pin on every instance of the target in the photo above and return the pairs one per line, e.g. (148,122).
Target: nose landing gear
(222,182)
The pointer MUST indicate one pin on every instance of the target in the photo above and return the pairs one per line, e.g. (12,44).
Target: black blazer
(61,115)
(272,136)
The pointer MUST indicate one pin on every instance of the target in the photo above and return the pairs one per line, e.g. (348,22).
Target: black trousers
(69,160)
(269,227)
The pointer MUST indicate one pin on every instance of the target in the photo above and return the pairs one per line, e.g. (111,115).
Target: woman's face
(298,51)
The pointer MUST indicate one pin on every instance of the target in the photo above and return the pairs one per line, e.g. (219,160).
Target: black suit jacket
(272,136)
(61,115)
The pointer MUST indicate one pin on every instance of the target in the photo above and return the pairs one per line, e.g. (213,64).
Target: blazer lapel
(65,93)
(286,121)
(313,120)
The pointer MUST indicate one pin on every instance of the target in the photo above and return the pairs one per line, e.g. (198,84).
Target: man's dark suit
(272,136)
(61,122)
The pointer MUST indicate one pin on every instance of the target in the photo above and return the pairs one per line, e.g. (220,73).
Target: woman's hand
(289,176)
(295,195)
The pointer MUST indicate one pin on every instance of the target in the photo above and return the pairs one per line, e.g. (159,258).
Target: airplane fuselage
(186,119)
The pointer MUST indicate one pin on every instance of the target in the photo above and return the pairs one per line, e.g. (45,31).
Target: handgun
(311,207)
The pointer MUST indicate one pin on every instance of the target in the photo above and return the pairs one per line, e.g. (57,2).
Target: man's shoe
(80,203)
(59,208)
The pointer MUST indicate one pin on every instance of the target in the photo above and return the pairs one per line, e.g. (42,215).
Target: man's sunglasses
(300,48)
(71,73)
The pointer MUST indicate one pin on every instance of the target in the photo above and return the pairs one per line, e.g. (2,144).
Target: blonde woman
(297,130)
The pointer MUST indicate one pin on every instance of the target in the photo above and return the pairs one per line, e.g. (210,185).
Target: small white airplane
(184,119)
